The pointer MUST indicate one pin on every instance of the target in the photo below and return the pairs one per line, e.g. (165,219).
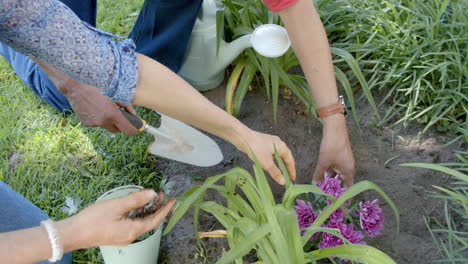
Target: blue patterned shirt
(51,32)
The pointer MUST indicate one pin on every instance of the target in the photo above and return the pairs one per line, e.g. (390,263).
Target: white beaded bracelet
(54,239)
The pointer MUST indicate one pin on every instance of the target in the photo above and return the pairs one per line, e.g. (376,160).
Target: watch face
(341,100)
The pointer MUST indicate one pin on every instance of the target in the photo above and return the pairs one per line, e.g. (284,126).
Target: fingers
(318,173)
(128,108)
(288,160)
(123,125)
(275,173)
(111,128)
(135,200)
(155,219)
(348,176)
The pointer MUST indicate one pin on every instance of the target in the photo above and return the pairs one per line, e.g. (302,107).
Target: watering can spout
(228,52)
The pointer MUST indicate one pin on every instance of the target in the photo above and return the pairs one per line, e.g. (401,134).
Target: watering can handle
(137,122)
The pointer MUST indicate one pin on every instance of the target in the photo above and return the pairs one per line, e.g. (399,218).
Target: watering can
(204,69)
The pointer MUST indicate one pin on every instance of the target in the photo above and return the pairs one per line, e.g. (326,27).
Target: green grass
(407,54)
(449,232)
(58,156)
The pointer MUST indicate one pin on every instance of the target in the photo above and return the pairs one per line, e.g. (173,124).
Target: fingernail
(150,194)
(282,181)
(314,182)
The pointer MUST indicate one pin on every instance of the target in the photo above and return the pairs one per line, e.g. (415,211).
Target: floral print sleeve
(51,32)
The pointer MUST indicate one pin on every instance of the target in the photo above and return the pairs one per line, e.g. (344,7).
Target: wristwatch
(336,108)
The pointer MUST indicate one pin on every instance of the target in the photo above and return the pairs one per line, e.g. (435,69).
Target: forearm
(162,90)
(51,32)
(32,245)
(58,78)
(309,40)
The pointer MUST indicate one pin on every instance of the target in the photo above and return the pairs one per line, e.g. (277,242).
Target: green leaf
(355,252)
(341,77)
(287,219)
(184,206)
(297,189)
(232,84)
(283,168)
(353,64)
(224,215)
(244,246)
(274,90)
(310,231)
(246,79)
(452,172)
(350,193)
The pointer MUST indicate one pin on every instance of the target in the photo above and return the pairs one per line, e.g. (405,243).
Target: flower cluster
(368,214)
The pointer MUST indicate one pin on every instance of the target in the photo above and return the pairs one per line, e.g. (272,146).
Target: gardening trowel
(178,141)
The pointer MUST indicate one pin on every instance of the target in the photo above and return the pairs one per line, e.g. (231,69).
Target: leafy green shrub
(258,222)
(413,52)
(451,236)
(242,17)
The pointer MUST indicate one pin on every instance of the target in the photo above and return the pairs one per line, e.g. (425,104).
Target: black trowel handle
(137,122)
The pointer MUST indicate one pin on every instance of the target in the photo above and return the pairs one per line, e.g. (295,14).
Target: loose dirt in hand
(154,205)
(378,153)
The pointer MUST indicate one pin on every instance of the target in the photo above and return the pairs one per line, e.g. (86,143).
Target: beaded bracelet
(54,239)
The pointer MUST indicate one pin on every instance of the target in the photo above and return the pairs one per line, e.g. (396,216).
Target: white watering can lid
(270,40)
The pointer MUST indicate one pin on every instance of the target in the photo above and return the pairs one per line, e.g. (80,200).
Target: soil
(378,153)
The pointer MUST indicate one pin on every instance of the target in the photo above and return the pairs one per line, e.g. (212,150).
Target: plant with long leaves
(241,17)
(450,234)
(412,52)
(253,220)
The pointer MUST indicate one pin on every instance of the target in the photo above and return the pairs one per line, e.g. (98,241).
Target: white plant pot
(143,252)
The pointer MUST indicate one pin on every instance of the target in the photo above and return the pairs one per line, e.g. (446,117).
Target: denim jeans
(16,212)
(162,32)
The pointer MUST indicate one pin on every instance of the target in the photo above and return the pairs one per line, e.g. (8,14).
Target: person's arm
(309,40)
(99,224)
(160,89)
(94,57)
(92,108)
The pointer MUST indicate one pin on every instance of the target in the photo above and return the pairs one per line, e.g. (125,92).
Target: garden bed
(378,152)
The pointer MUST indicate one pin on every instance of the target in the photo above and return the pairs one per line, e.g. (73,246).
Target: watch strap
(336,108)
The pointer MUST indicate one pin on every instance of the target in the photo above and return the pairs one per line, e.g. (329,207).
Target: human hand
(263,146)
(92,108)
(107,222)
(95,110)
(335,151)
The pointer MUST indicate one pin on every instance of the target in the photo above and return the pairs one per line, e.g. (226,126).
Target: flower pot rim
(130,186)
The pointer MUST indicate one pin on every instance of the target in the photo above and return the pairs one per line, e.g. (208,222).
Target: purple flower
(347,231)
(371,217)
(354,236)
(337,216)
(332,185)
(329,240)
(305,214)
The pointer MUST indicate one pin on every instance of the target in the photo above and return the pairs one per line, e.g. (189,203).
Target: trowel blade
(185,144)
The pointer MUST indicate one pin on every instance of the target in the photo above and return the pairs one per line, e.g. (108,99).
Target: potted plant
(145,250)
(254,221)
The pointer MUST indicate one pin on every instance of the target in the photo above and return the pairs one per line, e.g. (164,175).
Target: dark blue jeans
(162,32)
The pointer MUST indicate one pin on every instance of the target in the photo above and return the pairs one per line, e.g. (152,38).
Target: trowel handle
(137,122)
